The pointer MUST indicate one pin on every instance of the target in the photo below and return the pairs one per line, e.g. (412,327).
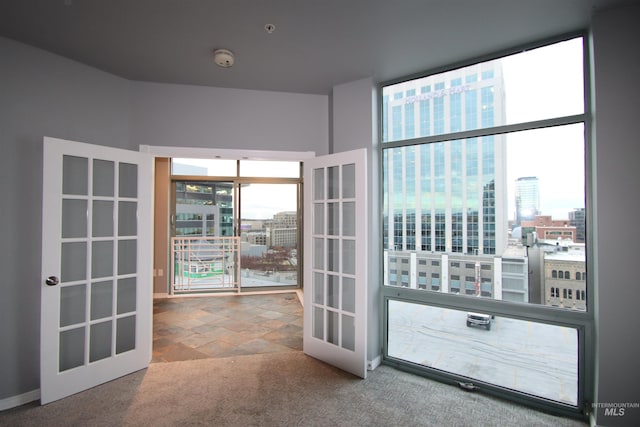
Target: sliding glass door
(234,225)
(269,233)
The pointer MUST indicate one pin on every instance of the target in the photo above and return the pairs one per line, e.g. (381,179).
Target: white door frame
(225,153)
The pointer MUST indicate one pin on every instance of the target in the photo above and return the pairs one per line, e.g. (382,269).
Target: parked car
(479,319)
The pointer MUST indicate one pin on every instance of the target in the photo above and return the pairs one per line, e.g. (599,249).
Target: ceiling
(316,45)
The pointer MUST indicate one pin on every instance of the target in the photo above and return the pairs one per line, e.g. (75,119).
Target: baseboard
(373,364)
(13,401)
(300,297)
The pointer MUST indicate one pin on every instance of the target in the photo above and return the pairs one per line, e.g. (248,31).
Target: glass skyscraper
(445,196)
(527,199)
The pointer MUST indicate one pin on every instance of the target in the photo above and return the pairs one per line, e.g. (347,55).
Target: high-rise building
(204,209)
(446,196)
(287,219)
(283,230)
(527,199)
(577,219)
(445,222)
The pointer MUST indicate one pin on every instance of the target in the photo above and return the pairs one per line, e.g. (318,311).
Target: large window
(484,202)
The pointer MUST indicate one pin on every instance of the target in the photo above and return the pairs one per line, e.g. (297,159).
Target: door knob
(51,281)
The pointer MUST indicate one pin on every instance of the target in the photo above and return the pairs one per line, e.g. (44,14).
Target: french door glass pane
(349,294)
(348,332)
(127,218)
(128,180)
(74,218)
(333,290)
(333,255)
(333,182)
(348,181)
(318,253)
(127,256)
(102,259)
(100,341)
(349,256)
(127,290)
(318,288)
(333,219)
(349,219)
(318,184)
(71,349)
(318,323)
(333,331)
(74,175)
(102,223)
(103,174)
(72,305)
(101,299)
(73,261)
(318,218)
(125,334)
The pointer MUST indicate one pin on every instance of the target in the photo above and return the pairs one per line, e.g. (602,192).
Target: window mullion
(496,130)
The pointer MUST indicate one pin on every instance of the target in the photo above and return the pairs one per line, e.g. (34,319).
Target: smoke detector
(223,58)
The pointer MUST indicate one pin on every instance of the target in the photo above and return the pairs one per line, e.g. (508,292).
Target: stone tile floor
(189,328)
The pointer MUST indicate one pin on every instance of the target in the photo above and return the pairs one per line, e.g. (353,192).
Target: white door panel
(335,270)
(96,307)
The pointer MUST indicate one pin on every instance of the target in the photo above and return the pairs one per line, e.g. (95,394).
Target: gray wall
(617,95)
(40,94)
(355,126)
(192,116)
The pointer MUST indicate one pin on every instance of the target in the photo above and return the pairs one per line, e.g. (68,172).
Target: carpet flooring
(237,361)
(275,389)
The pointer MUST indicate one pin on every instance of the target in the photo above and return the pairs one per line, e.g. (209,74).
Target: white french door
(96,313)
(335,260)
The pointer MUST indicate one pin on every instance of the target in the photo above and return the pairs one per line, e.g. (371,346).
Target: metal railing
(205,263)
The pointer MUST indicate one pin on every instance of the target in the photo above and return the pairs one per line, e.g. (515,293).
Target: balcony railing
(205,263)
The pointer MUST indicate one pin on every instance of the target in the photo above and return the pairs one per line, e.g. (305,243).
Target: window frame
(582,321)
(237,181)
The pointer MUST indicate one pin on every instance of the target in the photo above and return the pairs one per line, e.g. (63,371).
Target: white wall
(40,94)
(192,116)
(617,95)
(355,126)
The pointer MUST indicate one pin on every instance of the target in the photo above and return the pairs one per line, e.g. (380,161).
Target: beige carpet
(276,389)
